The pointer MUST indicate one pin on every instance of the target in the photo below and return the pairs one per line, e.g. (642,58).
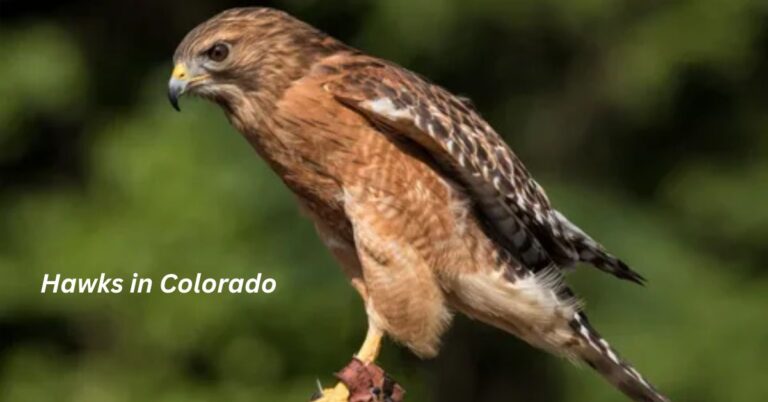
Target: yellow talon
(339,393)
(367,354)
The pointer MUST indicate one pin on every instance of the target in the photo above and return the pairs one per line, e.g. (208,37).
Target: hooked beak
(182,80)
(177,85)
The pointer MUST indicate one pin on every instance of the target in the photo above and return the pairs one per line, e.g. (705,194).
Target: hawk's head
(243,54)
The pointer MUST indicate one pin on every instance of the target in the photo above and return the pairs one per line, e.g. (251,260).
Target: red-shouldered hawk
(425,207)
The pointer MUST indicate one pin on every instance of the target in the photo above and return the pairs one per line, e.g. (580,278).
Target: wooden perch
(361,382)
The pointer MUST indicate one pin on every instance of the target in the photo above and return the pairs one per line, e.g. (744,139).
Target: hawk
(426,209)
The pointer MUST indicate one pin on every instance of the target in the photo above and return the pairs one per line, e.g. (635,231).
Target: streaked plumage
(426,208)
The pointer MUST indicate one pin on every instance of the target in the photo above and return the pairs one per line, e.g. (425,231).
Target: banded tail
(581,247)
(596,352)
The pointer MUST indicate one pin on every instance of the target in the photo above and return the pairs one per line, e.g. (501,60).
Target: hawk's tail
(588,250)
(596,352)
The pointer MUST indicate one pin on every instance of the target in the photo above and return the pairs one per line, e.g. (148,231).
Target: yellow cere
(179,72)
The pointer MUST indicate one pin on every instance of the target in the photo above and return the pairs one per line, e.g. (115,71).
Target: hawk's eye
(218,52)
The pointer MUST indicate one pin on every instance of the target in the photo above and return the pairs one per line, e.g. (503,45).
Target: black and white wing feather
(462,142)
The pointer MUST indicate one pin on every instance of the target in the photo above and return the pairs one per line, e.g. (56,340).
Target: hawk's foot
(360,382)
(339,393)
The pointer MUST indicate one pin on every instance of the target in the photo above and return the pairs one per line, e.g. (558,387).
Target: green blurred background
(647,121)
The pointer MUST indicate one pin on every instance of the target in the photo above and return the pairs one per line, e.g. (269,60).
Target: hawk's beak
(177,84)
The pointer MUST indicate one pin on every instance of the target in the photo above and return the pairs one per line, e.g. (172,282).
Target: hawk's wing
(465,145)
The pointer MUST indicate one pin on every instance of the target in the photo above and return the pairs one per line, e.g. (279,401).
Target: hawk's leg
(363,359)
(371,346)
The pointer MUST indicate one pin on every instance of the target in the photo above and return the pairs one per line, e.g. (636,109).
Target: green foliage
(45,75)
